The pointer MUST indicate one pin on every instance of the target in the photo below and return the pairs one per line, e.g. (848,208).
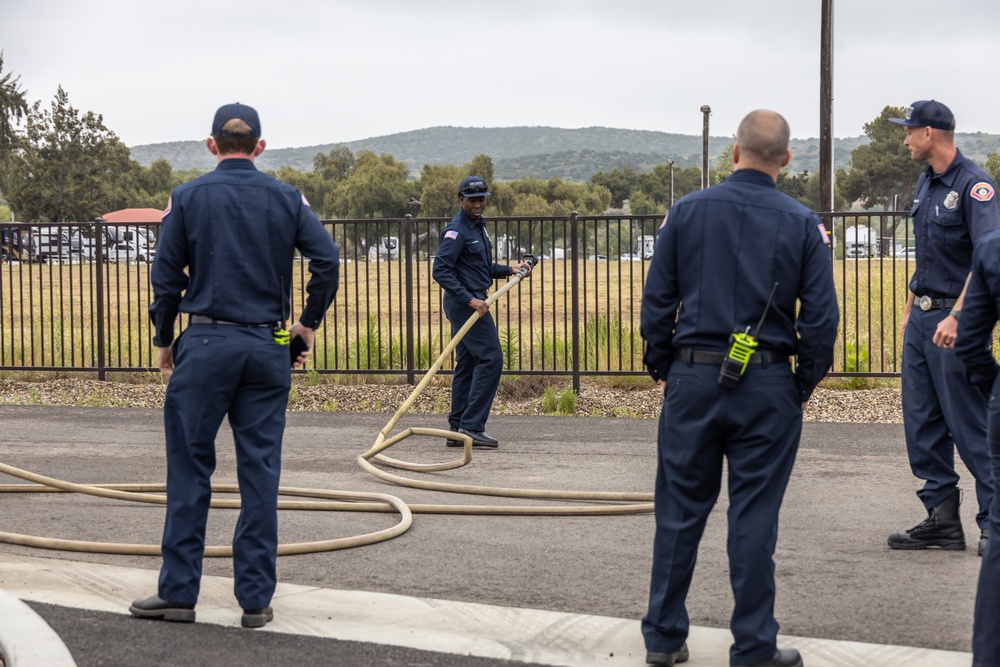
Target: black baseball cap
(473,186)
(228,112)
(927,113)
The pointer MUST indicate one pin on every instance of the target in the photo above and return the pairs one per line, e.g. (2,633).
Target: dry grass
(48,317)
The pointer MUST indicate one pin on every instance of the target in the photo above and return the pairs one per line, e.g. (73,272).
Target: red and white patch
(305,201)
(664,220)
(451,234)
(824,233)
(982,191)
(170,202)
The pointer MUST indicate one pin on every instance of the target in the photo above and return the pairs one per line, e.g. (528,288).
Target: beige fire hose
(343,501)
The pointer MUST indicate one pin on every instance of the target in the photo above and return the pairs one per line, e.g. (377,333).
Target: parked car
(599,258)
(126,251)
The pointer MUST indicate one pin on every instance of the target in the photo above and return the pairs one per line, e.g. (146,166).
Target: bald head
(763,137)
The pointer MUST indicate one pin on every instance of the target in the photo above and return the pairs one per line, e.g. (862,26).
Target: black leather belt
(201,319)
(693,356)
(927,303)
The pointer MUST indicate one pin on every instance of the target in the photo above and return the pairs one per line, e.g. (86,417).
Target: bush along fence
(74,296)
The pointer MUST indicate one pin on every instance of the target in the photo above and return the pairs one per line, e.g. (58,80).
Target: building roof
(139,215)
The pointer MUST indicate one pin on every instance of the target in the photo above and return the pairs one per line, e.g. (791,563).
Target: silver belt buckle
(925,302)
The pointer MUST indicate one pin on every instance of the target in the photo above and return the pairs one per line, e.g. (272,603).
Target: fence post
(408,249)
(575,272)
(99,270)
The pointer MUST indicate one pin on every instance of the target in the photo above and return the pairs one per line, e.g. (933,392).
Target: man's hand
(165,360)
(308,335)
(947,331)
(517,267)
(480,306)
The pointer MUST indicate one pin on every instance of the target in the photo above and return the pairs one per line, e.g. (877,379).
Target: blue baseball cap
(927,113)
(473,186)
(228,112)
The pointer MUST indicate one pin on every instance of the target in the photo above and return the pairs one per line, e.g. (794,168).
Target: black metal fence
(74,296)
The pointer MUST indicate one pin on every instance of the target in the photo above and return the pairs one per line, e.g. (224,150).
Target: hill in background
(539,152)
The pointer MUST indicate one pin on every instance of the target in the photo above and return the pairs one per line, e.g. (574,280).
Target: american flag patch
(451,234)
(824,233)
(305,201)
(170,203)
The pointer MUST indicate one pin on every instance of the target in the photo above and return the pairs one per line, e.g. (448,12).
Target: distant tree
(794,185)
(72,167)
(438,187)
(641,203)
(723,166)
(481,165)
(13,109)
(881,170)
(619,182)
(330,171)
(376,188)
(5,213)
(992,166)
(531,205)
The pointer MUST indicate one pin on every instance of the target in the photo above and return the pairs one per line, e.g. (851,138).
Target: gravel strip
(876,406)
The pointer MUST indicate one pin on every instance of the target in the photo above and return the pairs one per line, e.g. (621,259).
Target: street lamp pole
(671,163)
(705,110)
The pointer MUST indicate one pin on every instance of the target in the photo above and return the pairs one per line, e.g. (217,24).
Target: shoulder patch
(305,201)
(451,234)
(982,191)
(170,203)
(664,220)
(825,234)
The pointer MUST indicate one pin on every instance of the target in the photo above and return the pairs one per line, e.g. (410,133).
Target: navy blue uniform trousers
(756,428)
(941,411)
(478,365)
(986,633)
(242,372)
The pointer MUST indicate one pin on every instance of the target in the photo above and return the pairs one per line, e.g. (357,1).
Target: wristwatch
(955,312)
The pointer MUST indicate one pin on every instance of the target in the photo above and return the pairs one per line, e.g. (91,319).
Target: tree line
(59,164)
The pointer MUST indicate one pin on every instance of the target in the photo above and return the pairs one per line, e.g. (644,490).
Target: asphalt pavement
(472,589)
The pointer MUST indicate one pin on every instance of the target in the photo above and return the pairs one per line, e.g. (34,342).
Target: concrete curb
(26,640)
(463,628)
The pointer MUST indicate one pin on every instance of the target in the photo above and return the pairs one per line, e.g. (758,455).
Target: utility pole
(671,163)
(826,108)
(705,110)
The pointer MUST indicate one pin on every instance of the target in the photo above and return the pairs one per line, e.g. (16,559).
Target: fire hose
(598,502)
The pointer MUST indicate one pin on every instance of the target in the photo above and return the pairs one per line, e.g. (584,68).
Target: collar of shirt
(467,219)
(235,163)
(947,177)
(752,176)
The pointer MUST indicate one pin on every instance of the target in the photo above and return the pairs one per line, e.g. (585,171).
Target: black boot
(942,528)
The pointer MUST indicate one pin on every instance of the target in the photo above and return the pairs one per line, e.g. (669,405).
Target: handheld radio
(742,346)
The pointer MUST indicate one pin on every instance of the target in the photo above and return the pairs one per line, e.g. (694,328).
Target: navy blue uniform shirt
(980,311)
(951,212)
(237,229)
(717,257)
(464,260)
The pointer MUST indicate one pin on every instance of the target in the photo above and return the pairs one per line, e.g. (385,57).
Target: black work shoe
(942,528)
(783,657)
(451,441)
(668,659)
(157,608)
(480,438)
(984,539)
(257,618)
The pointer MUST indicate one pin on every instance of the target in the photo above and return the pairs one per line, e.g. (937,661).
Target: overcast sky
(327,71)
